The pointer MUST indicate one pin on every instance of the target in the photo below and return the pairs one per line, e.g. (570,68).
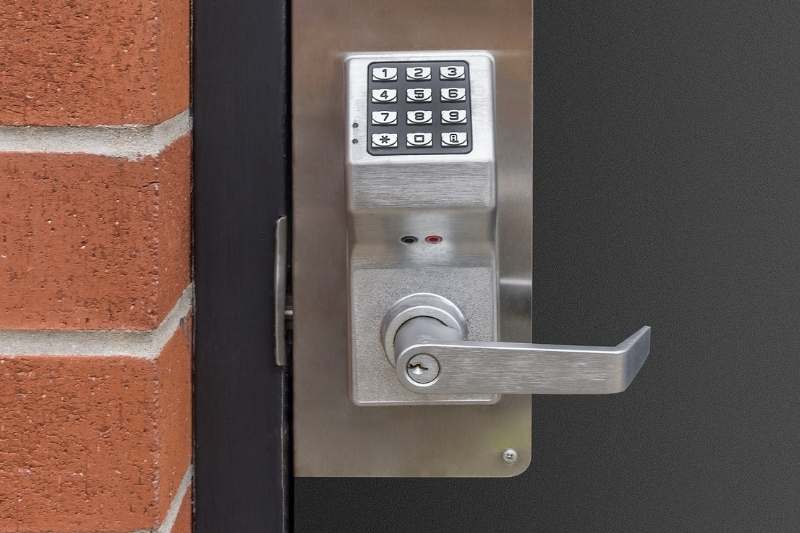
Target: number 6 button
(453,94)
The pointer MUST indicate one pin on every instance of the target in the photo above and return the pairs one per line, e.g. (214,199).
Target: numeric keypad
(420,107)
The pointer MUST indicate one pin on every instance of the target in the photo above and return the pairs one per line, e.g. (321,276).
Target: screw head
(422,368)
(510,456)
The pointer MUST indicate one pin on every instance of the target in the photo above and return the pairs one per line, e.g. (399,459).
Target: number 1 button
(384,74)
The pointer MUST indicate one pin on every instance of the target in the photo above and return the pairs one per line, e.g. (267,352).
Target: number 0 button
(453,139)
(419,140)
(381,96)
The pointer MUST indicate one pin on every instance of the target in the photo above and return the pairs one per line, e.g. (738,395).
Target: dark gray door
(667,191)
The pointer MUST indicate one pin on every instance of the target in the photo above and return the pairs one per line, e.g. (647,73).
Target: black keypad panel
(419,108)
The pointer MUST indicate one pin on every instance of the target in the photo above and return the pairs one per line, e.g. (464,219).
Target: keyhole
(418,369)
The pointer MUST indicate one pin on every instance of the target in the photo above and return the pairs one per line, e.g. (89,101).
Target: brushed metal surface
(450,195)
(333,437)
(517,368)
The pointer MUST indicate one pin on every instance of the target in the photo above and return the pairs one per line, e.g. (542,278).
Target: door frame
(241,186)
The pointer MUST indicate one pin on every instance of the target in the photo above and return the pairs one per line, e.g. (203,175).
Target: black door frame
(241,186)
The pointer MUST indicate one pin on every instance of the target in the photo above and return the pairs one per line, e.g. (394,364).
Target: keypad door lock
(423,250)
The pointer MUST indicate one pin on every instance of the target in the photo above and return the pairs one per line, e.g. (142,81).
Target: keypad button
(419,140)
(451,72)
(384,74)
(418,95)
(384,118)
(384,140)
(454,116)
(418,73)
(454,138)
(419,116)
(453,94)
(383,96)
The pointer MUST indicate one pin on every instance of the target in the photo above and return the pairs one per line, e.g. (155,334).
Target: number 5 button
(418,95)
(419,140)
(453,116)
(454,138)
(384,95)
(453,94)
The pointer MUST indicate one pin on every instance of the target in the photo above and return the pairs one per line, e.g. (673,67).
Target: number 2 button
(418,73)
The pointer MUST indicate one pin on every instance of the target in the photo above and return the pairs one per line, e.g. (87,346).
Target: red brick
(88,62)
(93,242)
(183,524)
(92,444)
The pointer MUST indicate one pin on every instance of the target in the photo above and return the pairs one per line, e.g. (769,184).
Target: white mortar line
(177,501)
(133,141)
(146,344)
(174,506)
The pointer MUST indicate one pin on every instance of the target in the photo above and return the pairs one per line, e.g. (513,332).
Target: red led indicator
(433,239)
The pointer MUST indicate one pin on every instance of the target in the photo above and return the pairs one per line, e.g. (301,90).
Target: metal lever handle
(432,357)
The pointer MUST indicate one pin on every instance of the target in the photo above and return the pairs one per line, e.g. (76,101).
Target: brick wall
(96,295)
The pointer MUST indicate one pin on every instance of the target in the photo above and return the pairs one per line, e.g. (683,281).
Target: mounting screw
(510,456)
(422,368)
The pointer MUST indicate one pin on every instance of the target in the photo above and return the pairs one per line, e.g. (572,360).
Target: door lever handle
(431,356)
